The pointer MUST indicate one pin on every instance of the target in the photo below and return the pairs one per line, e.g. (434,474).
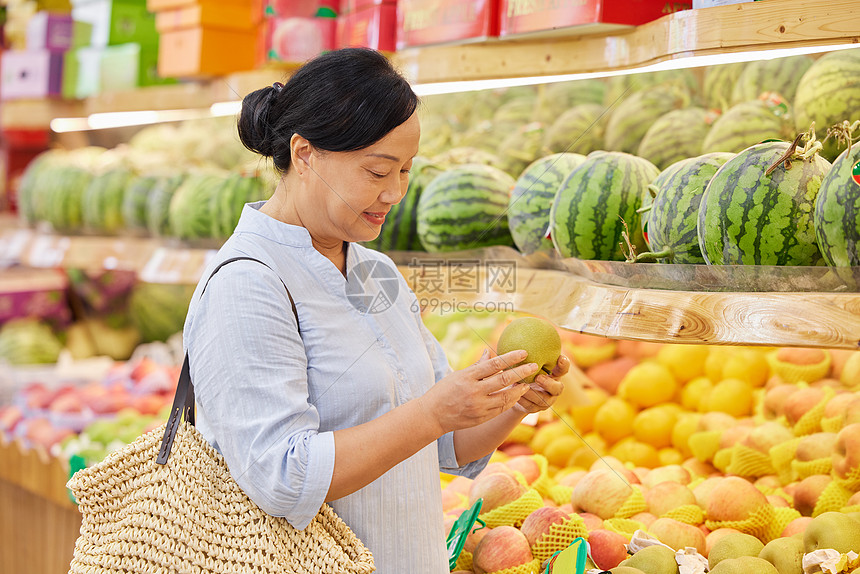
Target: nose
(394,191)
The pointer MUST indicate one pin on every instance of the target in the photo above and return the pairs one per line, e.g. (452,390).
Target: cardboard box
(302,8)
(117,22)
(211,13)
(205,51)
(298,39)
(423,22)
(711,3)
(50,31)
(31,74)
(586,17)
(374,27)
(89,71)
(350,6)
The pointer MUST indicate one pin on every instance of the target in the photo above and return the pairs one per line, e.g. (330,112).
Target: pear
(655,559)
(832,530)
(745,565)
(536,336)
(734,545)
(786,554)
(626,570)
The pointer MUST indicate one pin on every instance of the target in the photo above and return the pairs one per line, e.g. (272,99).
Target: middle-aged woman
(353,406)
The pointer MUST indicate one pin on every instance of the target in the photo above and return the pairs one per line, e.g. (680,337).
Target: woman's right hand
(478,393)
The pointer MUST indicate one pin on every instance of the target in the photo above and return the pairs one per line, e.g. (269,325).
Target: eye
(405,171)
(377,175)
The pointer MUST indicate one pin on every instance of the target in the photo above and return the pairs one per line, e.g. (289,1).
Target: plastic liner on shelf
(664,276)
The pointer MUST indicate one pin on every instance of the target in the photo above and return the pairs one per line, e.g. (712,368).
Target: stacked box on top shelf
(423,22)
(368,24)
(206,37)
(298,31)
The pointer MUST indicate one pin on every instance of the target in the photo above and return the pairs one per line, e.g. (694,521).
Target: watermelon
(520,148)
(63,197)
(675,136)
(569,94)
(719,83)
(466,155)
(746,124)
(620,88)
(102,200)
(632,118)
(191,212)
(484,136)
(828,94)
(134,202)
(595,201)
(157,310)
(672,218)
(578,130)
(780,75)
(465,208)
(230,199)
(400,230)
(520,110)
(837,212)
(32,183)
(158,205)
(531,200)
(749,218)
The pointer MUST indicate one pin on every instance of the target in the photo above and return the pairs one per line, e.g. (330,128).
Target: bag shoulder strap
(183,400)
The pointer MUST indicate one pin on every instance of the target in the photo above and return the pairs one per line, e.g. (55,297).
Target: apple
(816,446)
(770,481)
(734,435)
(667,496)
(774,399)
(539,522)
(572,478)
(591,521)
(734,498)
(474,537)
(608,548)
(796,526)
(460,484)
(766,436)
(677,534)
(526,465)
(450,500)
(801,402)
(716,421)
(501,548)
(702,491)
(10,416)
(36,396)
(601,492)
(616,465)
(496,490)
(609,374)
(846,454)
(672,472)
(851,414)
(645,518)
(516,449)
(836,406)
(832,530)
(641,473)
(698,468)
(777,501)
(495,468)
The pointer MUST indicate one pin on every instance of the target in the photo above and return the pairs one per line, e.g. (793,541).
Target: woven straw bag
(167,503)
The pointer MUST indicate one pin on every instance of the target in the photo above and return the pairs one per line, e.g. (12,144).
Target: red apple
(10,416)
(775,397)
(501,548)
(846,455)
(608,548)
(572,478)
(671,472)
(591,521)
(766,436)
(734,498)
(816,446)
(601,492)
(796,526)
(496,490)
(777,501)
(474,537)
(67,402)
(678,535)
(526,465)
(515,449)
(37,396)
(667,496)
(539,522)
(645,518)
(799,403)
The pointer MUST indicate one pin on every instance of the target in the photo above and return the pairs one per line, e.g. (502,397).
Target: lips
(377,217)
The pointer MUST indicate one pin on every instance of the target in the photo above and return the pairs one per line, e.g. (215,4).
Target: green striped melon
(719,83)
(672,219)
(191,207)
(484,136)
(518,149)
(465,155)
(620,88)
(837,212)
(134,202)
(102,199)
(63,198)
(520,109)
(596,200)
(230,199)
(578,130)
(746,124)
(531,200)
(632,118)
(780,75)
(571,94)
(158,205)
(465,208)
(750,218)
(400,230)
(675,136)
(828,94)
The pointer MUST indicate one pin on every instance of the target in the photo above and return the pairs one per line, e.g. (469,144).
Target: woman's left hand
(545,389)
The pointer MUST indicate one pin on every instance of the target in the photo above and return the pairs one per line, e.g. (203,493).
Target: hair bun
(255,126)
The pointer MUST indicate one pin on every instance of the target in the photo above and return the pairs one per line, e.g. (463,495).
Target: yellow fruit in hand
(614,419)
(687,424)
(732,396)
(694,391)
(540,338)
(685,361)
(635,452)
(654,426)
(648,384)
(747,365)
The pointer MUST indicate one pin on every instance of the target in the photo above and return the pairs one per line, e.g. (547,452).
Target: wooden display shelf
(767,25)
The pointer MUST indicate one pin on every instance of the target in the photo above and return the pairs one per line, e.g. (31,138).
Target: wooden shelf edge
(707,31)
(826,320)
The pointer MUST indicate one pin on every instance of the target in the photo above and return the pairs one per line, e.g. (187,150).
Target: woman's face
(350,193)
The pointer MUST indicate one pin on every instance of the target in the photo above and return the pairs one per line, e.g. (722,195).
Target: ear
(300,154)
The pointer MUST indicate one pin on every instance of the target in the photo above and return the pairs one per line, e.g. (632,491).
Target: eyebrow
(384,156)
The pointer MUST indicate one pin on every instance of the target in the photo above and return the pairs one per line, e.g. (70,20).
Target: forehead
(399,144)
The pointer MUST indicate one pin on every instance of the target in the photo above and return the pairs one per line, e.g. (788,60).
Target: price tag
(48,251)
(168,265)
(159,268)
(571,560)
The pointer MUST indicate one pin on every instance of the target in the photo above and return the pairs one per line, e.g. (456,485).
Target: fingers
(506,398)
(483,369)
(508,377)
(552,386)
(562,366)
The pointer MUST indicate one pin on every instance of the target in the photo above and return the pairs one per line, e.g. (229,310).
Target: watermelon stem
(667,253)
(810,148)
(843,132)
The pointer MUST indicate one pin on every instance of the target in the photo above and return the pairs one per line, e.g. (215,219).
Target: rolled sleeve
(249,370)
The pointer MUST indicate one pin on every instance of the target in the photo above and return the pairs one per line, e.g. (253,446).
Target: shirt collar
(254,221)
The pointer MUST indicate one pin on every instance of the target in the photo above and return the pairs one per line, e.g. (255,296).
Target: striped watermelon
(750,218)
(465,208)
(531,200)
(102,200)
(596,200)
(632,118)
(578,130)
(571,94)
(828,94)
(520,148)
(400,230)
(191,207)
(746,124)
(837,212)
(134,202)
(465,155)
(673,216)
(620,88)
(230,199)
(719,83)
(780,75)
(158,205)
(63,198)
(675,136)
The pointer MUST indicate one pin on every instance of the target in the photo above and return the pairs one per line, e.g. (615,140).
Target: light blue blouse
(268,398)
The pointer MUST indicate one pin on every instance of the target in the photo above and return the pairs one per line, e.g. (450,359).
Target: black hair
(344,100)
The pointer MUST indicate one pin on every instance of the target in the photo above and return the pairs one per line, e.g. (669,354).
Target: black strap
(183,400)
